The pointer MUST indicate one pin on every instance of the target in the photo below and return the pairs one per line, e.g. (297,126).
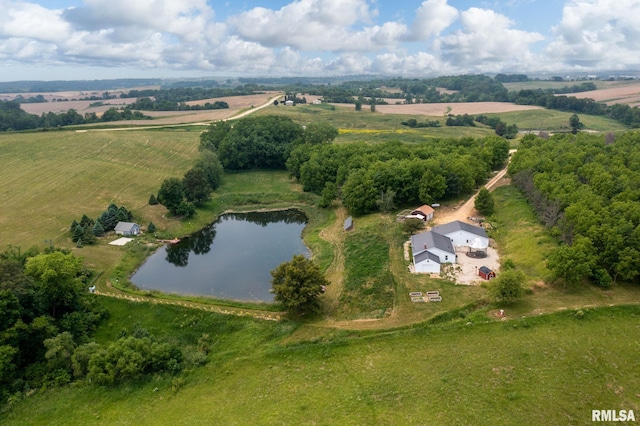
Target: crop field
(610,92)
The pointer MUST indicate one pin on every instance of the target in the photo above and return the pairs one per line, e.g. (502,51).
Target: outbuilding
(486,273)
(127,228)
(424,213)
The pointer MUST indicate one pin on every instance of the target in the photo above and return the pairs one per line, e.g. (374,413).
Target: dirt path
(203,123)
(467,209)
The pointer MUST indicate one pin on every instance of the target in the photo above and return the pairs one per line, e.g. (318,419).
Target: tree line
(369,178)
(186,94)
(149,104)
(585,188)
(13,118)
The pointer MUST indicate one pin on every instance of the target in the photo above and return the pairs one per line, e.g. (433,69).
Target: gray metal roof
(425,255)
(125,226)
(455,226)
(431,239)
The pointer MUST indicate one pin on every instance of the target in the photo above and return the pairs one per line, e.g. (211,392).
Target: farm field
(237,104)
(443,109)
(380,127)
(610,92)
(51,178)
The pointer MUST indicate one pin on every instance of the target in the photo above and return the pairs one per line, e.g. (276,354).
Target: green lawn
(545,370)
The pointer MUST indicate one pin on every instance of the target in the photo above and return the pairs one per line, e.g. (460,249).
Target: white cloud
(313,37)
(32,21)
(486,41)
(317,25)
(598,34)
(420,64)
(432,17)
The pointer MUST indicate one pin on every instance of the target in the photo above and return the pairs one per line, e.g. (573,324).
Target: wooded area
(586,187)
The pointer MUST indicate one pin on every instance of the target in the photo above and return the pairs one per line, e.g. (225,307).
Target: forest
(365,177)
(47,318)
(586,188)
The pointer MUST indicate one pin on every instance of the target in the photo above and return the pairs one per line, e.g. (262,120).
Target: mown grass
(372,127)
(51,178)
(545,370)
(519,235)
(368,282)
(558,121)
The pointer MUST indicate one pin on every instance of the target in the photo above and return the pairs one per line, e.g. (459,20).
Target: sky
(101,39)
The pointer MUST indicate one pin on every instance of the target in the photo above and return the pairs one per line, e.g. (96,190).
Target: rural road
(234,117)
(467,209)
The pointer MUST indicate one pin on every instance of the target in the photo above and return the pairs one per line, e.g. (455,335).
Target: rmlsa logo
(613,416)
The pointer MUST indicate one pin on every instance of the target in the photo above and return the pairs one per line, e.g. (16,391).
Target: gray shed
(127,228)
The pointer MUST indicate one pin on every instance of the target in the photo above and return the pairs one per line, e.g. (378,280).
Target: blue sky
(94,39)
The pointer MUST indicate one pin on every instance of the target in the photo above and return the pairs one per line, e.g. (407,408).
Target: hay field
(442,109)
(51,178)
(627,94)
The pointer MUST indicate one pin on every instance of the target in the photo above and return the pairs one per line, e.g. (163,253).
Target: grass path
(334,234)
(227,310)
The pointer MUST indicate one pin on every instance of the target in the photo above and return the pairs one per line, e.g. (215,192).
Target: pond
(229,259)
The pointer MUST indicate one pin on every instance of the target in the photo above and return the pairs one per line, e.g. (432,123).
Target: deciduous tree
(484,202)
(507,286)
(298,284)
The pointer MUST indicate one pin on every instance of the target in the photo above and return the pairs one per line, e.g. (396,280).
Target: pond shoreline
(248,245)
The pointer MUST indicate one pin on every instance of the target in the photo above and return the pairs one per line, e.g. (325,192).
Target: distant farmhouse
(127,228)
(433,248)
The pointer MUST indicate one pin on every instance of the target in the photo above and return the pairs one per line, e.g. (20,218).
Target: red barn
(486,273)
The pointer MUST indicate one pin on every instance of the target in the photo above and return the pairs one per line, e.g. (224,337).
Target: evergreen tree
(78,233)
(98,229)
(152,200)
(151,228)
(86,221)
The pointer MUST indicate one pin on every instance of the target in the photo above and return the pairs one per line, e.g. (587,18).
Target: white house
(430,250)
(433,248)
(127,228)
(462,234)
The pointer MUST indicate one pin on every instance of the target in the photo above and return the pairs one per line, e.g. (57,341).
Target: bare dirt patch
(441,109)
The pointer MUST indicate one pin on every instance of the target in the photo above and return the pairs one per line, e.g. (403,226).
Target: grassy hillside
(378,127)
(544,370)
(50,178)
(372,126)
